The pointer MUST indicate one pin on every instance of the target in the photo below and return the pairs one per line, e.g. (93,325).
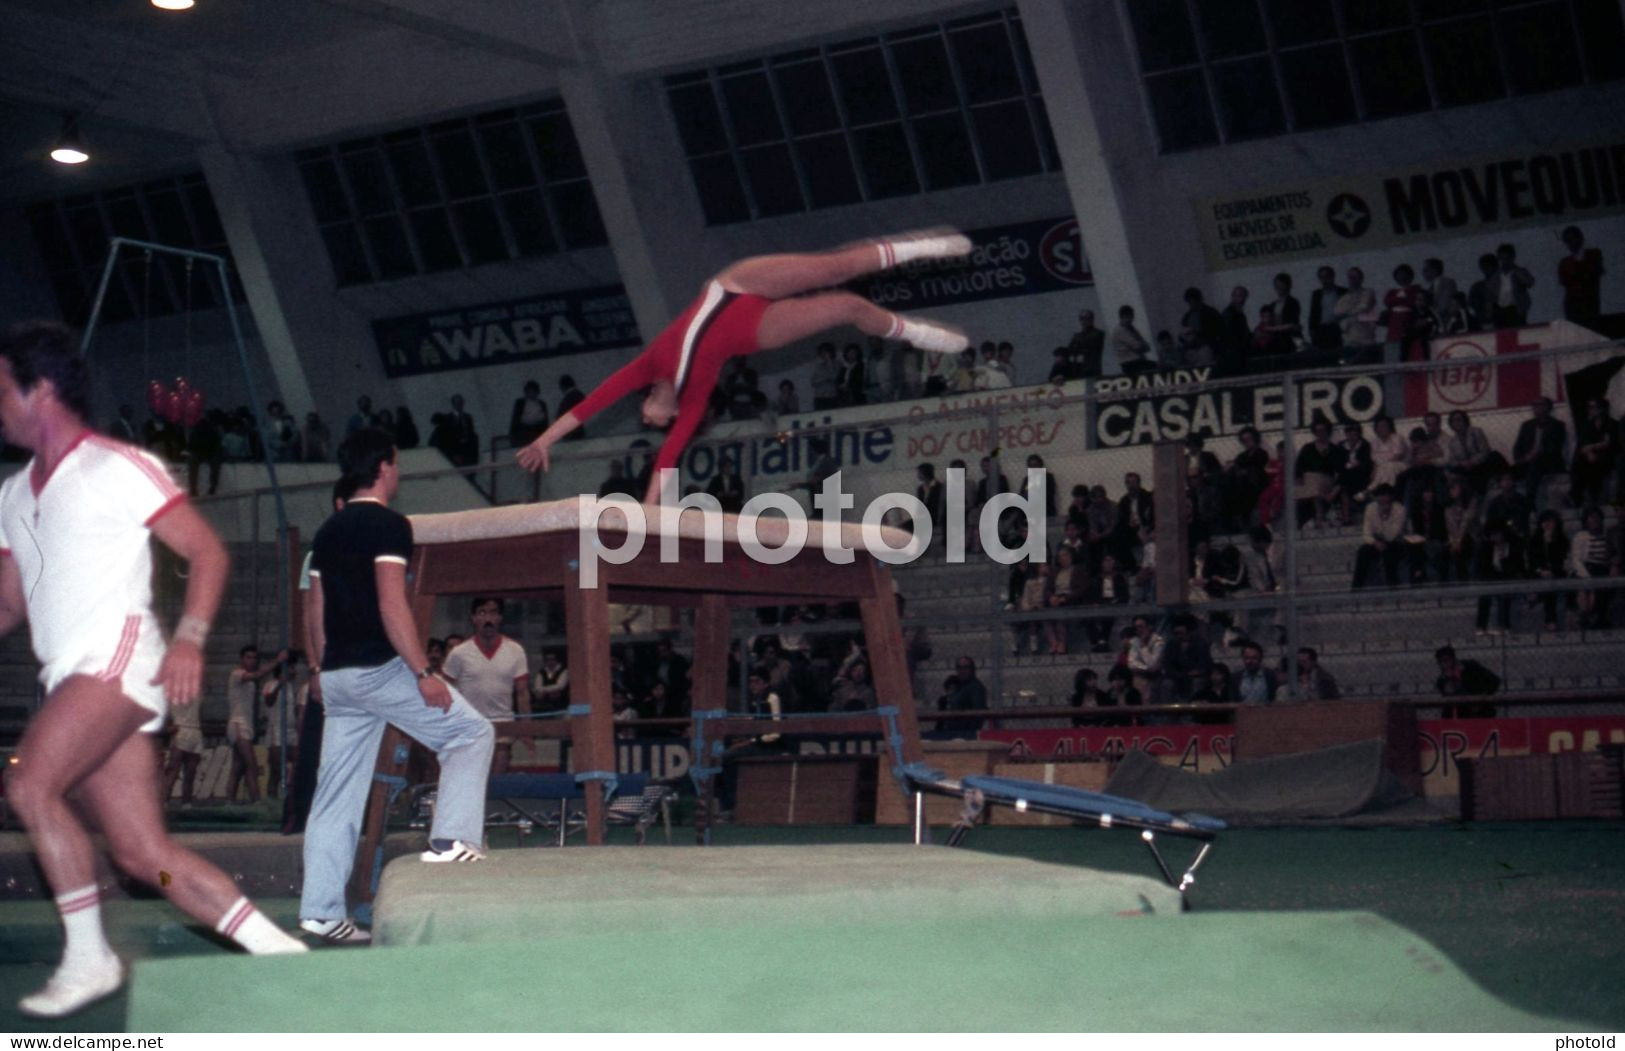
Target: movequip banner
(1314,219)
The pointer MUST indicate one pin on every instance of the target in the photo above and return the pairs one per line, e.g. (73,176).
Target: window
(954,104)
(73,233)
(458,193)
(1218,71)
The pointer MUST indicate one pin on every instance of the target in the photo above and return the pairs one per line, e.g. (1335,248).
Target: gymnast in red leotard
(755,304)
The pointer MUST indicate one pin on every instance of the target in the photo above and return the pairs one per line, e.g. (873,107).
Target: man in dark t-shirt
(969,694)
(373,671)
(571,396)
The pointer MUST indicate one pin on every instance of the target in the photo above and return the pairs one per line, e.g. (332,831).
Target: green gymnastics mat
(551,893)
(1197,972)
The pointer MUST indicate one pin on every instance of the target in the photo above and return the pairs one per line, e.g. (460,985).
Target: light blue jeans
(360,701)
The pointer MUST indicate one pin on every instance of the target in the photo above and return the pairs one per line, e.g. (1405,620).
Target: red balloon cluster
(181,404)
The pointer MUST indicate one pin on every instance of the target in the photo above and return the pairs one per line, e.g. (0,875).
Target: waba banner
(547,326)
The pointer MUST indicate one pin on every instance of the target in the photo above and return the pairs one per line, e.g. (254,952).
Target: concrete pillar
(1095,113)
(276,268)
(641,182)
(1170,499)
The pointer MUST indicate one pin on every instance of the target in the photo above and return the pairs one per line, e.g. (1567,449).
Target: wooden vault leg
(888,663)
(712,627)
(592,736)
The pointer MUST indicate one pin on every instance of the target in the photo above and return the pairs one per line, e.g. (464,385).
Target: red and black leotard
(689,352)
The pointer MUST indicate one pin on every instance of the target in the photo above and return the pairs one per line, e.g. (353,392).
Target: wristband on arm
(192,629)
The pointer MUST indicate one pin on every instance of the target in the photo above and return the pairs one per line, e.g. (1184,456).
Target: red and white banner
(1202,749)
(1441,743)
(1482,372)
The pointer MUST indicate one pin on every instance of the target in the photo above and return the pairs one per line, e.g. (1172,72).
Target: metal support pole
(995,674)
(101,294)
(1289,592)
(254,565)
(220,268)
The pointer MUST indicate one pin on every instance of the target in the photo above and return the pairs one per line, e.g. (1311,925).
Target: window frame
(525,119)
(86,270)
(825,55)
(1346,41)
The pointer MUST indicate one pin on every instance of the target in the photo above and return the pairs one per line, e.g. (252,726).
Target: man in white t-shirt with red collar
(76,564)
(490,670)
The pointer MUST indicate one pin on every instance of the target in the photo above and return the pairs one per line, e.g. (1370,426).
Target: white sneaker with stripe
(336,932)
(457,852)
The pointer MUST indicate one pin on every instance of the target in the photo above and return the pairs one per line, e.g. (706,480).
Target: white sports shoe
(943,242)
(458,852)
(931,336)
(336,932)
(66,993)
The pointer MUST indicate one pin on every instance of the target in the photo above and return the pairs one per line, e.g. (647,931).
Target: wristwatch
(426,673)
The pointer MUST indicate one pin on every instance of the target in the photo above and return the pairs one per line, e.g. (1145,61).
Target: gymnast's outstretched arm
(635,374)
(535,455)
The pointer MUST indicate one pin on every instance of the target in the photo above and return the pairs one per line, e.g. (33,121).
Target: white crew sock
(925,244)
(81,912)
(931,336)
(249,927)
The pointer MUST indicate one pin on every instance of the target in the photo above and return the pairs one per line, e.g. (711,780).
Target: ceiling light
(68,148)
(172,5)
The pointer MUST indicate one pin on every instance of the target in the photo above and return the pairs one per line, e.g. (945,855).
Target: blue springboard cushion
(1081,801)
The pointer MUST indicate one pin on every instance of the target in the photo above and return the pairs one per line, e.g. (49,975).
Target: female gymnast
(756,304)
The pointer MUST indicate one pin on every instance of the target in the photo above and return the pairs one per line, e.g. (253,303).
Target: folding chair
(640,810)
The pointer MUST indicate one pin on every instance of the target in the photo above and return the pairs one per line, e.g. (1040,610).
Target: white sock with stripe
(931,336)
(87,947)
(924,244)
(250,928)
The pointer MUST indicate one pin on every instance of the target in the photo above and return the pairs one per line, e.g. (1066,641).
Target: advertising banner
(668,758)
(546,326)
(1483,371)
(1537,186)
(1445,741)
(1018,259)
(1151,415)
(1200,749)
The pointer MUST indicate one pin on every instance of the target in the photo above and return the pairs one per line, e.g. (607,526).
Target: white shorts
(129,658)
(237,730)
